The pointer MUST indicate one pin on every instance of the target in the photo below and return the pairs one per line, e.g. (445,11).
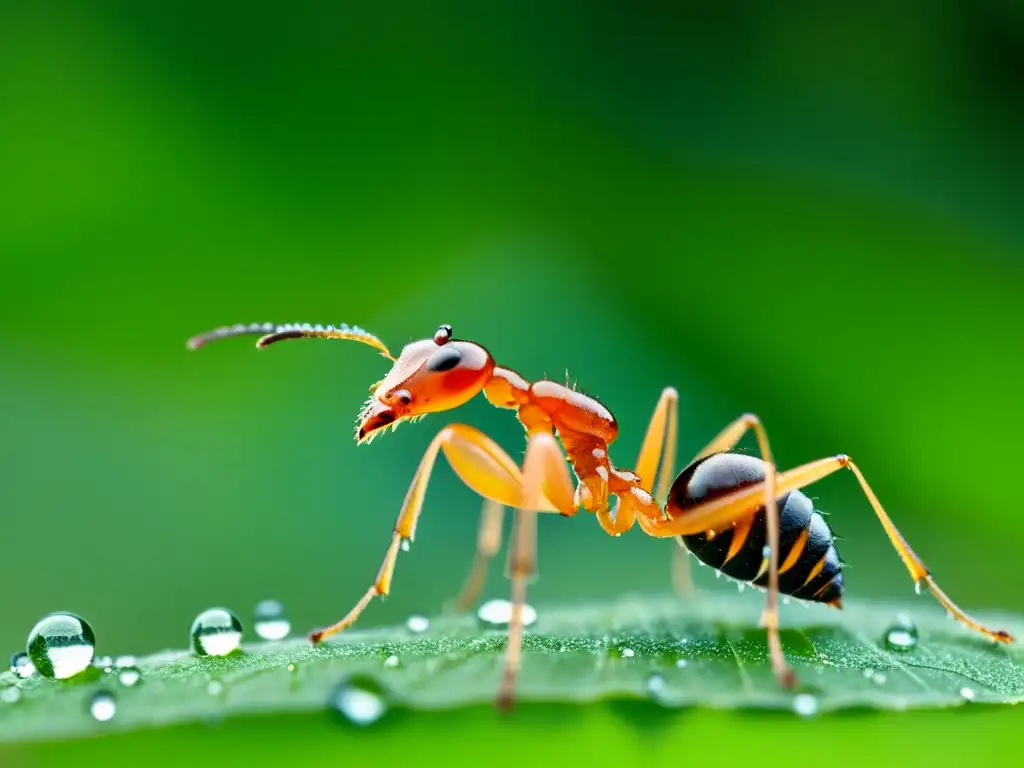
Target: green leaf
(707,653)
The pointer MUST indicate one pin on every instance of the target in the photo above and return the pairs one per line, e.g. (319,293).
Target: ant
(734,512)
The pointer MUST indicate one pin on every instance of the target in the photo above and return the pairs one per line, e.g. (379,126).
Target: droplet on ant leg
(443,335)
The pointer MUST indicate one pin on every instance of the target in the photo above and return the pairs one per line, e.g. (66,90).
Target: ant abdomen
(809,565)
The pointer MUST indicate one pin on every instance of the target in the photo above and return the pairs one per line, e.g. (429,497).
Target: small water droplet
(740,586)
(106,663)
(626,653)
(657,686)
(216,632)
(22,666)
(498,613)
(292,667)
(917,587)
(10,695)
(215,688)
(405,545)
(125,661)
(902,634)
(766,551)
(805,705)
(102,706)
(680,663)
(718,574)
(128,676)
(270,620)
(879,678)
(967,693)
(417,623)
(61,645)
(868,672)
(391,661)
(360,700)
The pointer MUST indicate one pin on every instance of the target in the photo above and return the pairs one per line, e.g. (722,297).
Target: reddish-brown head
(430,375)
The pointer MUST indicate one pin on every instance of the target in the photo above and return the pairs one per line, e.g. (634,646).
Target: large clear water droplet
(498,613)
(61,645)
(360,700)
(216,632)
(805,705)
(22,666)
(102,706)
(270,620)
(417,623)
(901,634)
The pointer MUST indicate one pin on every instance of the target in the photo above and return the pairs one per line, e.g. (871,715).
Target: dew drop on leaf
(125,661)
(215,688)
(10,695)
(805,705)
(128,676)
(61,645)
(216,632)
(270,620)
(417,623)
(680,663)
(106,663)
(656,687)
(22,666)
(391,662)
(901,634)
(626,653)
(360,700)
(495,614)
(102,706)
(967,694)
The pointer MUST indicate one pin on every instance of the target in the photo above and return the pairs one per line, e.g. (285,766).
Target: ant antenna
(270,333)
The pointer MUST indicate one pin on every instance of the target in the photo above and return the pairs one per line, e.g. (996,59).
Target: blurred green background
(809,212)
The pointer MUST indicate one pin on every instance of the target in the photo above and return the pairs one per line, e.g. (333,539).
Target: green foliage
(707,655)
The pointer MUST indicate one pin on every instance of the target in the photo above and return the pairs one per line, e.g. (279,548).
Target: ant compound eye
(403,397)
(444,359)
(443,335)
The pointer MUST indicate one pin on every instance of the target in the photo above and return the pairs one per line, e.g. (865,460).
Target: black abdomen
(809,566)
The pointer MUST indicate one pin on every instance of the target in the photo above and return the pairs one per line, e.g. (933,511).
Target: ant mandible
(732,511)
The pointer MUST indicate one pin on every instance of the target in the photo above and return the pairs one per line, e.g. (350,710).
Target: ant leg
(544,472)
(739,504)
(660,444)
(483,466)
(724,441)
(487,545)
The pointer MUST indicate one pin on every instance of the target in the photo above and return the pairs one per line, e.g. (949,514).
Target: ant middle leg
(659,446)
(482,465)
(488,542)
(737,505)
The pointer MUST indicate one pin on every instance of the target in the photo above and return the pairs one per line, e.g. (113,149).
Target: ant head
(430,375)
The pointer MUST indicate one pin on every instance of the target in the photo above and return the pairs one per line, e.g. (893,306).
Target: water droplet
(106,663)
(967,694)
(125,661)
(917,587)
(902,634)
(417,623)
(805,705)
(766,551)
(61,645)
(868,672)
(879,678)
(10,695)
(22,666)
(128,676)
(657,686)
(102,706)
(498,613)
(360,700)
(391,661)
(215,688)
(626,653)
(270,621)
(680,663)
(292,667)
(216,632)
(405,545)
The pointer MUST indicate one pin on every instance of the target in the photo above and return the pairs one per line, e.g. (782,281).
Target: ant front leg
(544,474)
(659,445)
(482,465)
